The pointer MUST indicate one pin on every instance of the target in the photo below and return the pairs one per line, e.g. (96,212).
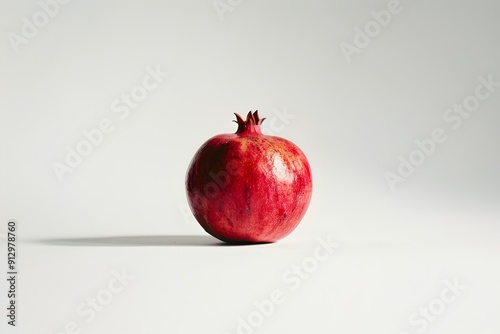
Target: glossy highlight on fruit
(248,187)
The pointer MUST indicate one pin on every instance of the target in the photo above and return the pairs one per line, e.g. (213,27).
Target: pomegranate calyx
(251,124)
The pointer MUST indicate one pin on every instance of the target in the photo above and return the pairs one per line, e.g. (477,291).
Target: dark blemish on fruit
(247,198)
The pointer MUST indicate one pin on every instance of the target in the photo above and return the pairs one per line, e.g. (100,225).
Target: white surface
(123,207)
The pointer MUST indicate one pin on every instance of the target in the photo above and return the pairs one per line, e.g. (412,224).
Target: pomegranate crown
(253,121)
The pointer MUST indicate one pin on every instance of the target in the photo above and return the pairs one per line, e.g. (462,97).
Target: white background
(123,208)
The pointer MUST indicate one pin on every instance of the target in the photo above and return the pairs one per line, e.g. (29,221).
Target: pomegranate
(248,187)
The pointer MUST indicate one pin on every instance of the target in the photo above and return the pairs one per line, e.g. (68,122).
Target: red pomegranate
(248,187)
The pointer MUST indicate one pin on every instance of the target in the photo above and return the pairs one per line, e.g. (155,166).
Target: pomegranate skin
(248,187)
